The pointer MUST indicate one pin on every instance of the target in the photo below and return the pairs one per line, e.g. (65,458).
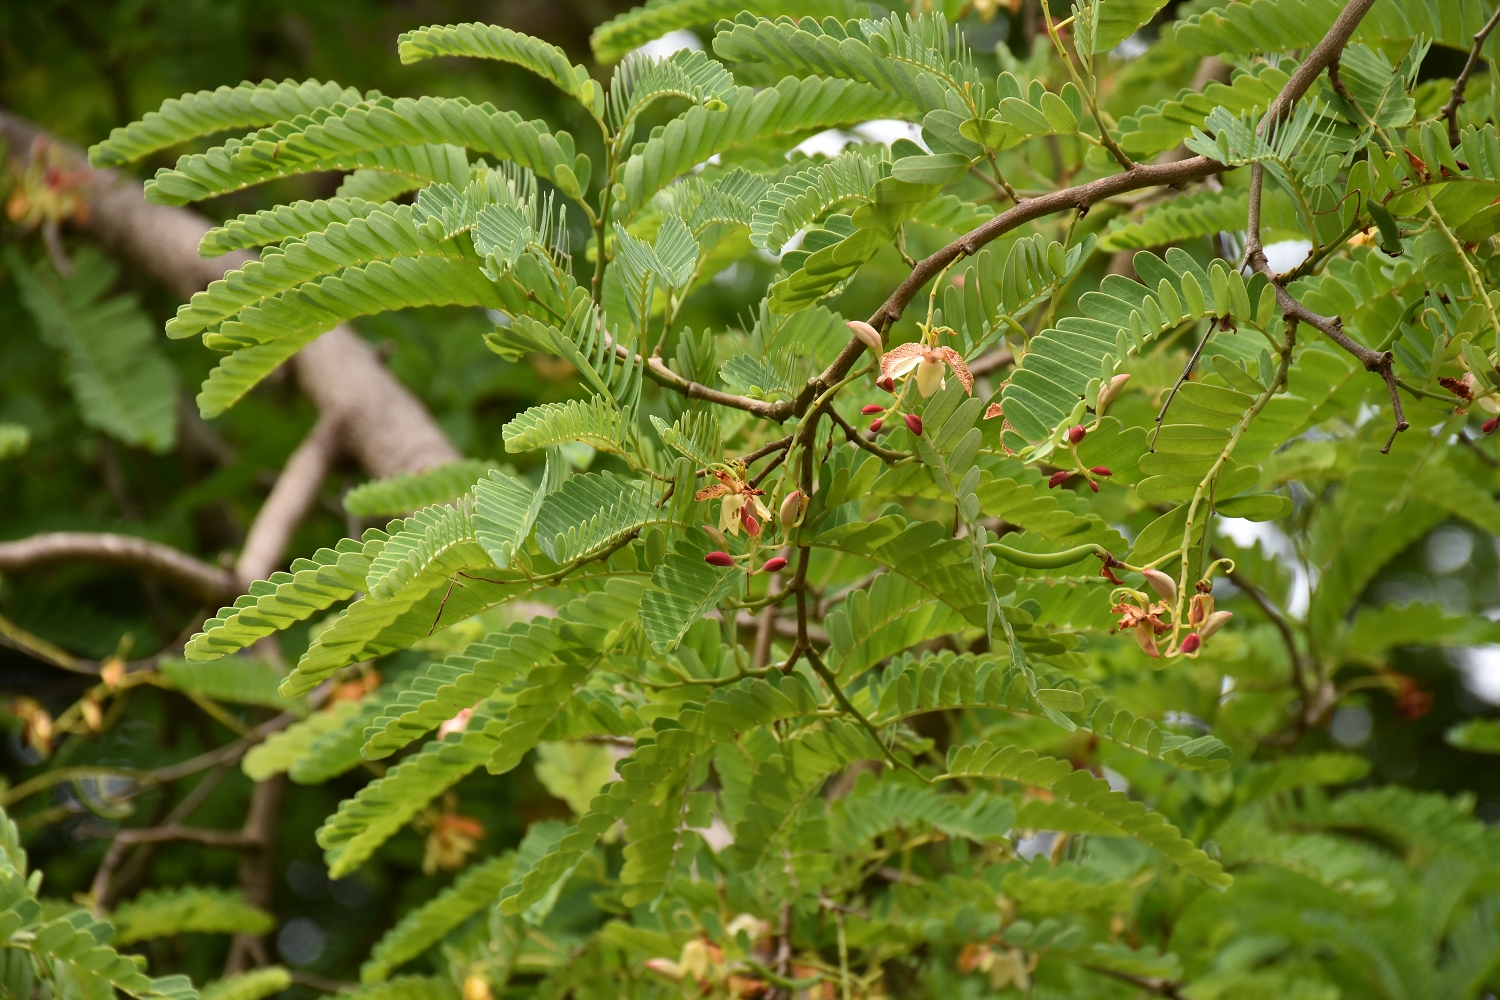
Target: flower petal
(900,359)
(711,492)
(956,362)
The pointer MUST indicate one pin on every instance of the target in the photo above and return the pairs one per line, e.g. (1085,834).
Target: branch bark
(204,580)
(1461,82)
(283,510)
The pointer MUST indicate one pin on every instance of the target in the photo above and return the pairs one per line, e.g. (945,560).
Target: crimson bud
(887,383)
(1093,486)
(875,426)
(1075,434)
(1489,425)
(752,526)
(913,423)
(1191,643)
(1057,479)
(871,408)
(1101,470)
(773,564)
(721,559)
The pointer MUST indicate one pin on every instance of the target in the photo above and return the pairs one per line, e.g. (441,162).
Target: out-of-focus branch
(1461,82)
(382,425)
(283,510)
(203,580)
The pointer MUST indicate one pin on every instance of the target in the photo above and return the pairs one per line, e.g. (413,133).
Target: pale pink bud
(1109,392)
(716,535)
(1214,622)
(1161,583)
(792,508)
(1146,639)
(869,335)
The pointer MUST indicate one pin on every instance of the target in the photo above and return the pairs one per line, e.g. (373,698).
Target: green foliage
(187,909)
(249,985)
(121,382)
(1095,614)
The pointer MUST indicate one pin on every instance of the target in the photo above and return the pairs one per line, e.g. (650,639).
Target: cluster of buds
(734,490)
(1143,618)
(1471,390)
(1092,474)
(924,363)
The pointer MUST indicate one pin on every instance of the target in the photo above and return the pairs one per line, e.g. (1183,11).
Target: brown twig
(1461,82)
(203,580)
(1187,371)
(257,869)
(125,839)
(992,361)
(852,434)
(1151,984)
(1332,327)
(295,489)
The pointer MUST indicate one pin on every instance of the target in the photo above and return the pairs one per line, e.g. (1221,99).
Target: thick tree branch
(382,424)
(203,580)
(1461,82)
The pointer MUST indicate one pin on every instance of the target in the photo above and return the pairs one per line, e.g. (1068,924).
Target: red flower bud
(1057,479)
(871,408)
(1101,470)
(1075,434)
(1093,486)
(913,423)
(773,564)
(887,383)
(720,559)
(752,526)
(1489,425)
(875,426)
(1191,643)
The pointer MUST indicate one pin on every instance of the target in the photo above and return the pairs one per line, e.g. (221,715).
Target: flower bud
(1076,434)
(1093,486)
(1161,583)
(1214,622)
(913,423)
(721,559)
(1146,639)
(1489,425)
(792,508)
(871,408)
(869,335)
(1057,479)
(1201,606)
(887,383)
(1101,470)
(1191,643)
(1109,392)
(875,425)
(773,564)
(716,535)
(752,526)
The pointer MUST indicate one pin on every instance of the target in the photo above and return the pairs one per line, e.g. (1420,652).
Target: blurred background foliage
(81,67)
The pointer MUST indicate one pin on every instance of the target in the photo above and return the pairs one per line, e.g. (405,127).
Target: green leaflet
(785,783)
(313,585)
(684,588)
(122,383)
(595,422)
(590,514)
(1168,124)
(78,940)
(254,985)
(991,291)
(500,730)
(185,909)
(614,38)
(894,614)
(221,110)
(798,200)
(1280,25)
(409,491)
(239,680)
(791,106)
(1090,794)
(873,808)
(657,760)
(284,222)
(293,746)
(425,925)
(913,685)
(488,41)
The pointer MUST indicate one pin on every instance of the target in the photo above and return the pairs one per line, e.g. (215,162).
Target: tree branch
(283,510)
(1332,327)
(1461,82)
(210,583)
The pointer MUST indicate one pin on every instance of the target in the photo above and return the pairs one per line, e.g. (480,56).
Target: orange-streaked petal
(956,362)
(711,492)
(900,360)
